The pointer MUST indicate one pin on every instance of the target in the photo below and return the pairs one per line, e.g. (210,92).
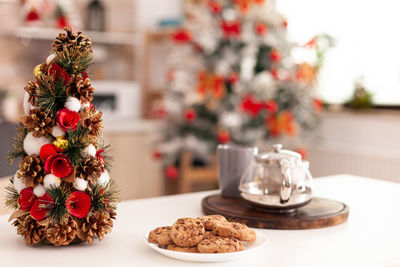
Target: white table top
(370,237)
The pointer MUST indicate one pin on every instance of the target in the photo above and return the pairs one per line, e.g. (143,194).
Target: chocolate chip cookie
(220,245)
(210,221)
(235,230)
(160,236)
(187,232)
(182,249)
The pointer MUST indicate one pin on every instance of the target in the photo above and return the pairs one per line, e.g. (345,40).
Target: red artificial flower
(261,28)
(67,119)
(157,154)
(59,165)
(171,172)
(26,199)
(190,115)
(275,56)
(59,73)
(47,150)
(318,105)
(215,7)
(33,15)
(271,106)
(100,158)
(78,204)
(303,152)
(251,106)
(42,207)
(231,28)
(182,36)
(224,137)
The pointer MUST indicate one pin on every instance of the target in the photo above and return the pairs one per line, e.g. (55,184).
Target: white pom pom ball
(27,106)
(39,190)
(80,184)
(90,150)
(33,144)
(18,184)
(50,59)
(104,178)
(50,181)
(57,131)
(73,104)
(85,105)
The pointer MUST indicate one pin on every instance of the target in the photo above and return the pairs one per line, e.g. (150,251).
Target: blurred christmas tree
(233,79)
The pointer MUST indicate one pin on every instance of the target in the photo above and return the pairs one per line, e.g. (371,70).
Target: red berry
(275,56)
(190,115)
(261,28)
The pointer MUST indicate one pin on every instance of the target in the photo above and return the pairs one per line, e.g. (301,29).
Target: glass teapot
(277,180)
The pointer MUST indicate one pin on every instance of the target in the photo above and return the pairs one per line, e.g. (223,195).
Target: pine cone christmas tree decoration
(90,169)
(63,233)
(70,39)
(31,89)
(98,224)
(91,120)
(31,171)
(81,89)
(29,229)
(39,123)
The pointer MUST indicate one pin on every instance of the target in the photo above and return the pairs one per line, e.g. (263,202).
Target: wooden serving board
(318,213)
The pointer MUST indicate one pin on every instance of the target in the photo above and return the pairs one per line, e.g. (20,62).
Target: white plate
(211,257)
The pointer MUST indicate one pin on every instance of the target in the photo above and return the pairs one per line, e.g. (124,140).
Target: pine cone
(31,170)
(29,229)
(69,39)
(39,123)
(97,223)
(81,89)
(91,120)
(31,88)
(90,169)
(63,233)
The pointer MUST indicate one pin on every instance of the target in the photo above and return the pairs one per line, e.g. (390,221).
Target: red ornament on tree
(224,137)
(182,36)
(171,172)
(261,28)
(59,165)
(42,206)
(26,199)
(251,106)
(67,119)
(33,15)
(100,158)
(275,56)
(215,7)
(271,106)
(59,73)
(78,204)
(47,150)
(231,28)
(190,115)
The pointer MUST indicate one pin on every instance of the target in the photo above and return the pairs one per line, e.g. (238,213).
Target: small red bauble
(42,206)
(231,28)
(275,56)
(67,119)
(190,115)
(261,28)
(171,172)
(59,165)
(224,137)
(78,204)
(59,73)
(182,36)
(26,198)
(47,150)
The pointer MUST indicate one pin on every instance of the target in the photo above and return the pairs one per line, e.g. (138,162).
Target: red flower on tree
(251,106)
(261,28)
(190,115)
(182,36)
(26,199)
(59,73)
(59,165)
(78,204)
(47,150)
(67,119)
(231,28)
(100,158)
(42,207)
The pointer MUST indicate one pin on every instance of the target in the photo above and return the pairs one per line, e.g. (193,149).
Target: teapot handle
(286,185)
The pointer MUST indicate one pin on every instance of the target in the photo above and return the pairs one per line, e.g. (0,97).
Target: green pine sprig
(108,159)
(77,141)
(58,207)
(17,150)
(11,195)
(51,95)
(105,197)
(74,60)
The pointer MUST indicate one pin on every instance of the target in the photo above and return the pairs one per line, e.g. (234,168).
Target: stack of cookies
(207,234)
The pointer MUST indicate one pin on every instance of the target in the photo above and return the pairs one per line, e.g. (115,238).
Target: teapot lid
(277,154)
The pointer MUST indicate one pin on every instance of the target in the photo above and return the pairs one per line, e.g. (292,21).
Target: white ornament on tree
(50,181)
(32,145)
(104,178)
(18,184)
(57,131)
(80,184)
(90,150)
(39,190)
(27,106)
(73,104)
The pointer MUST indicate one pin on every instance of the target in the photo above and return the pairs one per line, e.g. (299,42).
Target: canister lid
(277,154)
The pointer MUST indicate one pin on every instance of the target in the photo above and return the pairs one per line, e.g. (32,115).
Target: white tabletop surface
(370,237)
